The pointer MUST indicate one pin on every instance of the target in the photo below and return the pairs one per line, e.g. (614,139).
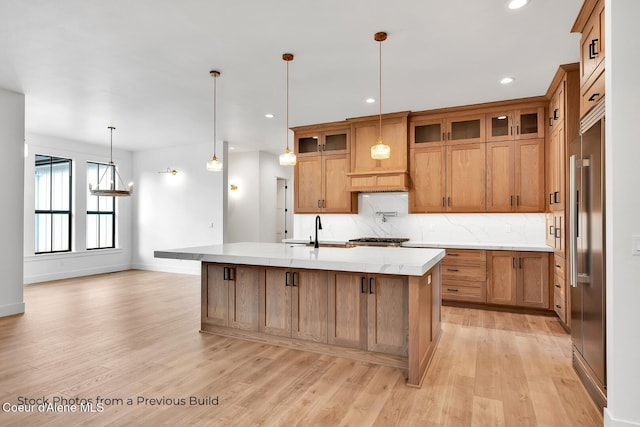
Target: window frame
(99,212)
(52,212)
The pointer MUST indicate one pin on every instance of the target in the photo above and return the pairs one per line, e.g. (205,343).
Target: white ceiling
(143,65)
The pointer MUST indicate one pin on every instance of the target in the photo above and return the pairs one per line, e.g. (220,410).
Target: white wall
(11,216)
(176,211)
(622,211)
(435,228)
(252,207)
(79,262)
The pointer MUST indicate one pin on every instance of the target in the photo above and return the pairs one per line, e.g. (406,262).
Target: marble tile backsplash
(449,228)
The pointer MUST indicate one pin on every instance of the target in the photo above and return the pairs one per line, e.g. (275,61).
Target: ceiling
(143,65)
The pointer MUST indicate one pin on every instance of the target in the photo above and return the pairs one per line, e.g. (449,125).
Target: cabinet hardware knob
(551,230)
(557,233)
(557,286)
(593,97)
(558,306)
(557,265)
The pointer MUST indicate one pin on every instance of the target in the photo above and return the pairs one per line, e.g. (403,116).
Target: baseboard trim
(165,269)
(11,309)
(69,274)
(611,421)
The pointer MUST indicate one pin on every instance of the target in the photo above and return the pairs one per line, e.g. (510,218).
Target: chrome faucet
(318,227)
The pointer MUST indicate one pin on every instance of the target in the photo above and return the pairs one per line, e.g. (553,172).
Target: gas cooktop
(378,241)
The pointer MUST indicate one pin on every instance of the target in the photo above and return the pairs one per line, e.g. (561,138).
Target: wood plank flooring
(134,335)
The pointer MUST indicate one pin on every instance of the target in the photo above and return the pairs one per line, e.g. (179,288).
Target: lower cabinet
(518,278)
(232,296)
(368,312)
(464,275)
(293,303)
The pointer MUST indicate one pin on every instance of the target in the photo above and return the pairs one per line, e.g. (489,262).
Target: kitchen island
(379,305)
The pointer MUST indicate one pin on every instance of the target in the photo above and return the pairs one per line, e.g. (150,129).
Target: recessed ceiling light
(506,80)
(502,117)
(516,4)
(232,148)
(370,100)
(269,116)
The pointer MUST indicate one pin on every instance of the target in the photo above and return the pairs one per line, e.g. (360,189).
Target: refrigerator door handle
(573,223)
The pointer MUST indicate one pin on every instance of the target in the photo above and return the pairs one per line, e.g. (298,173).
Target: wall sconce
(169,170)
(233,187)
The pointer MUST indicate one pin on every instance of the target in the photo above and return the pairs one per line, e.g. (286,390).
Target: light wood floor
(134,334)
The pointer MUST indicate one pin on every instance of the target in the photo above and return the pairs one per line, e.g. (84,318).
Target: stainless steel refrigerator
(587,253)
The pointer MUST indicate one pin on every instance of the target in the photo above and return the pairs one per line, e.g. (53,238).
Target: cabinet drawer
(559,265)
(559,286)
(468,271)
(559,304)
(454,290)
(592,95)
(453,255)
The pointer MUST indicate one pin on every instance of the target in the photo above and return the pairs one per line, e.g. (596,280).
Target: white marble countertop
(363,259)
(530,247)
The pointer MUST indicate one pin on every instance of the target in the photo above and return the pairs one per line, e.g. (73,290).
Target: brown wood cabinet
(464,273)
(428,178)
(215,294)
(293,303)
(347,322)
(518,278)
(515,176)
(321,170)
(510,125)
(466,187)
(465,128)
(591,24)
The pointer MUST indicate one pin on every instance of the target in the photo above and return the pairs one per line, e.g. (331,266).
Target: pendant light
(214,165)
(112,189)
(287,158)
(380,151)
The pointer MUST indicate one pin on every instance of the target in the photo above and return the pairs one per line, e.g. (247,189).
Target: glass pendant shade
(214,165)
(287,158)
(380,151)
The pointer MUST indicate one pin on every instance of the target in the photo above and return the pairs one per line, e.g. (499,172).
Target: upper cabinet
(512,125)
(465,129)
(321,170)
(590,23)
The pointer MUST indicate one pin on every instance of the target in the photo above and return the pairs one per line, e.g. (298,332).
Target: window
(101,211)
(53,204)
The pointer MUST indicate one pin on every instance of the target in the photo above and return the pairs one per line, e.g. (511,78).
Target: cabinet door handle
(593,97)
(510,130)
(556,195)
(362,291)
(558,306)
(513,262)
(452,290)
(443,203)
(225,273)
(448,201)
(517,129)
(371,285)
(550,198)
(294,276)
(557,286)
(286,278)
(511,200)
(443,136)
(453,270)
(550,122)
(517,200)
(323,204)
(231,275)
(453,254)
(557,265)
(551,230)
(556,233)
(318,204)
(592,49)
(449,135)
(519,262)
(555,114)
